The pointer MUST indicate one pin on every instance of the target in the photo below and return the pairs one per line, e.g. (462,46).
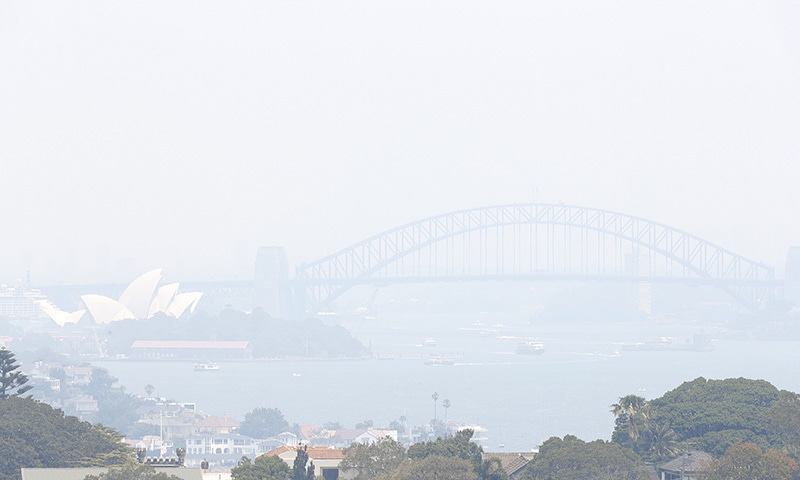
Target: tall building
(791,283)
(272,289)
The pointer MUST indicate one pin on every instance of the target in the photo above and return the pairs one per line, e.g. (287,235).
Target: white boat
(439,360)
(205,367)
(429,342)
(530,347)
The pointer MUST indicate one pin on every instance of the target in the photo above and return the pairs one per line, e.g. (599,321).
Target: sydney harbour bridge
(520,242)
(529,242)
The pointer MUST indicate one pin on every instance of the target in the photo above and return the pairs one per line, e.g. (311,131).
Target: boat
(530,347)
(205,367)
(429,342)
(439,360)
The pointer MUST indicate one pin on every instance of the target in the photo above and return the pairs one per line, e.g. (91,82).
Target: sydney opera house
(142,299)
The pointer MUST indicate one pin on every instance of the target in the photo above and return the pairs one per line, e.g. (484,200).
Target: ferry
(205,367)
(439,360)
(530,347)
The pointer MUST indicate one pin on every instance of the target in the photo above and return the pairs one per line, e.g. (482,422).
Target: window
(330,473)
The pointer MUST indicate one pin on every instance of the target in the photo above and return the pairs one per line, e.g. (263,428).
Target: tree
(712,415)
(459,446)
(370,461)
(446,405)
(570,458)
(12,381)
(434,467)
(492,469)
(299,469)
(33,434)
(662,441)
(435,398)
(747,460)
(365,424)
(132,471)
(116,408)
(263,423)
(783,420)
(631,418)
(263,468)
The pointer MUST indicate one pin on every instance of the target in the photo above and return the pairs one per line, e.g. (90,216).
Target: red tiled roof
(314,453)
(189,344)
(307,430)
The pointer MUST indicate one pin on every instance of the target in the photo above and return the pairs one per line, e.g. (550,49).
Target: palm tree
(663,441)
(631,411)
(446,405)
(435,398)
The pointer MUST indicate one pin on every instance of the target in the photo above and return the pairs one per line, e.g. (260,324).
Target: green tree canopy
(302,469)
(571,458)
(749,461)
(263,423)
(263,468)
(710,415)
(459,446)
(371,461)
(33,434)
(132,471)
(434,467)
(12,381)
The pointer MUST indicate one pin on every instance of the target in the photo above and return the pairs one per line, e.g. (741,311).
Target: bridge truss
(535,242)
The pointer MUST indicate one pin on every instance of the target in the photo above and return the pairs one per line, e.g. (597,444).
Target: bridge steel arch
(535,241)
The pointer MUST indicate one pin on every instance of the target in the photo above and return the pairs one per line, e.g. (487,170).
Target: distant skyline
(184,135)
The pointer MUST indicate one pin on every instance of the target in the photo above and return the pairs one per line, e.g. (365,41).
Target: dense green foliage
(710,415)
(263,468)
(571,458)
(434,467)
(132,471)
(115,407)
(461,447)
(371,461)
(33,434)
(302,469)
(749,461)
(12,381)
(263,423)
(268,336)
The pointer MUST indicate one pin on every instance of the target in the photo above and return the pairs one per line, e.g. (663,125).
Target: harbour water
(520,399)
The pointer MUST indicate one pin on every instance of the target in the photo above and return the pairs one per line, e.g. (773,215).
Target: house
(216,425)
(689,466)
(513,463)
(326,459)
(80,404)
(175,427)
(78,376)
(221,449)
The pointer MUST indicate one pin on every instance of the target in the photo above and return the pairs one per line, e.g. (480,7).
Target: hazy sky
(185,134)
